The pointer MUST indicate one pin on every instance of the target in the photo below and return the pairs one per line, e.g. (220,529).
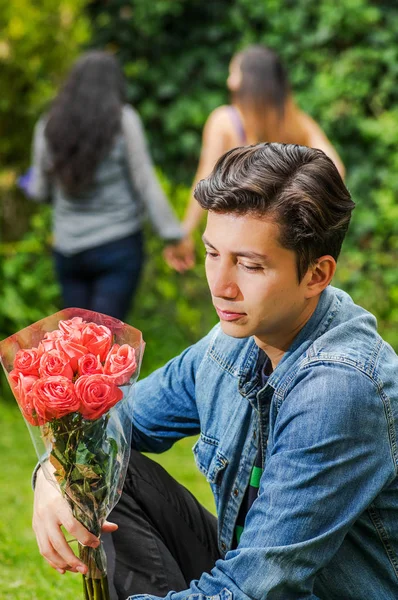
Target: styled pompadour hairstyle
(299,188)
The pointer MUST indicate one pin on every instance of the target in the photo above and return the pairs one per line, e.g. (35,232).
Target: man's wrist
(35,474)
(37,469)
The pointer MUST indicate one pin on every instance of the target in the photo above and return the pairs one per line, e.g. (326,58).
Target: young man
(295,397)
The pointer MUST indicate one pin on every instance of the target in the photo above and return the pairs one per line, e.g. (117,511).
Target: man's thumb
(108,527)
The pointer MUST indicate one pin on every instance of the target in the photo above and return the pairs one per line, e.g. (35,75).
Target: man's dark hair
(299,188)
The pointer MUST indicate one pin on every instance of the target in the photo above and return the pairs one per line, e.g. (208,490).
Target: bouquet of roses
(72,374)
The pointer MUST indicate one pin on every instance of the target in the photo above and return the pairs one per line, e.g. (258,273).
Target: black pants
(104,278)
(165,537)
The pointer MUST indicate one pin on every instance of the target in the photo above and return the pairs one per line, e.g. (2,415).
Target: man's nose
(223,284)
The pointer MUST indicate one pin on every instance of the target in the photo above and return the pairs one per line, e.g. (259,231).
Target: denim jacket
(325,523)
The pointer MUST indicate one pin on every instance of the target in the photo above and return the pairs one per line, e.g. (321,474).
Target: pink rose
(13,376)
(54,397)
(121,363)
(97,394)
(89,365)
(72,329)
(50,339)
(71,325)
(54,363)
(27,361)
(21,386)
(97,339)
(73,350)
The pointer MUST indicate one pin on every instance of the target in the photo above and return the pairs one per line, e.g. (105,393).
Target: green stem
(89,584)
(97,589)
(105,588)
(85,590)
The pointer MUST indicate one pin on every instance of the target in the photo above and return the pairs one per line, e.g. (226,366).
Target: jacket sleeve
(39,188)
(144,180)
(329,456)
(163,405)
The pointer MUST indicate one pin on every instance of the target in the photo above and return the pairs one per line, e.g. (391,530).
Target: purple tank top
(238,125)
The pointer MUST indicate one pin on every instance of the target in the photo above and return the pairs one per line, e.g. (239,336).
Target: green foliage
(175,54)
(29,291)
(38,43)
(342,60)
(172,310)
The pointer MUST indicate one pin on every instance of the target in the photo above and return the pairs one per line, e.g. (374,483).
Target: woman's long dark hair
(84,119)
(264,90)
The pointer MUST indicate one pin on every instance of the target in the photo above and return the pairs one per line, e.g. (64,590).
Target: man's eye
(212,254)
(251,268)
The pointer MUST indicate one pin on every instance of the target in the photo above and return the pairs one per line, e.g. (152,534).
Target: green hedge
(172,310)
(342,60)
(38,43)
(343,63)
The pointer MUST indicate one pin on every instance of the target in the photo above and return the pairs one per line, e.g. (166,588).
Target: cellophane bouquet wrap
(72,375)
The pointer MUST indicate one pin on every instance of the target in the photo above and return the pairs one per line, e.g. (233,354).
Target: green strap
(255,477)
(238,532)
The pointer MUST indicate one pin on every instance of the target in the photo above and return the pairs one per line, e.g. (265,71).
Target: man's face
(253,280)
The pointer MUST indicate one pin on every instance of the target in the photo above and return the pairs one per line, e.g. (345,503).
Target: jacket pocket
(225,594)
(210,461)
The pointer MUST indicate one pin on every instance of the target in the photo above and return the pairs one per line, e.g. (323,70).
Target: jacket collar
(249,374)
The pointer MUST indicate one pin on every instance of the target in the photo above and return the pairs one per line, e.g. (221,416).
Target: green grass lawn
(24,574)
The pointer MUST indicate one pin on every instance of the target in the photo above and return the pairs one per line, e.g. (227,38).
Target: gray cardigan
(125,189)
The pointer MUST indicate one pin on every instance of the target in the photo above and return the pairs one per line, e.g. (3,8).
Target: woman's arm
(144,180)
(316,138)
(214,143)
(39,186)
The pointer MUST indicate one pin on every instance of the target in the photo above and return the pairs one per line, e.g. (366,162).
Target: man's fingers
(54,548)
(55,560)
(53,545)
(63,550)
(51,511)
(62,571)
(108,527)
(77,530)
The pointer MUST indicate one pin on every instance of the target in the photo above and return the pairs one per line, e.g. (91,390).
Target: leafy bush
(342,60)
(29,290)
(343,64)
(172,310)
(38,42)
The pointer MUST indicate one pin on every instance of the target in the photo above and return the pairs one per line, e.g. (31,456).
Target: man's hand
(50,511)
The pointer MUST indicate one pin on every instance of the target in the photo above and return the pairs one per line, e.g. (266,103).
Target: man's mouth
(229,315)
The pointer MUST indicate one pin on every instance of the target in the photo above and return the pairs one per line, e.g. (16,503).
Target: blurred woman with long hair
(91,161)
(262,109)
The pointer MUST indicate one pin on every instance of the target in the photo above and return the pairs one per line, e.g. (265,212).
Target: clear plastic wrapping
(71,374)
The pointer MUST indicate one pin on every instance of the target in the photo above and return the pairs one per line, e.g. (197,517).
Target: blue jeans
(104,278)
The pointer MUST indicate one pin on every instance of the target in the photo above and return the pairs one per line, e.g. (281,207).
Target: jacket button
(223,546)
(236,492)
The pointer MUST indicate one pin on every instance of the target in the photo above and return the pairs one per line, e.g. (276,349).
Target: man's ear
(319,275)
